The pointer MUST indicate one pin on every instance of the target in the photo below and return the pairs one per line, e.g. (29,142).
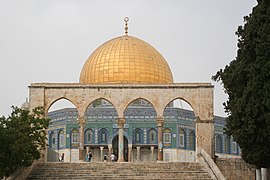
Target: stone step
(119,171)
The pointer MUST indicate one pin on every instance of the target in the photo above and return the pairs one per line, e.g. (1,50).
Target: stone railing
(205,159)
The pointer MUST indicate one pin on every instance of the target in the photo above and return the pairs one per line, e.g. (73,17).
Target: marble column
(138,153)
(81,121)
(121,123)
(101,153)
(152,153)
(110,151)
(160,121)
(129,152)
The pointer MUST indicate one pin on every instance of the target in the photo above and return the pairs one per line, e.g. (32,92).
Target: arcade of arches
(198,95)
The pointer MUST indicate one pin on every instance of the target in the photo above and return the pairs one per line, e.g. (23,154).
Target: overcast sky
(49,40)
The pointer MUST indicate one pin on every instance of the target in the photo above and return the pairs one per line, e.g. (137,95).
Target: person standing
(112,157)
(89,156)
(62,157)
(105,158)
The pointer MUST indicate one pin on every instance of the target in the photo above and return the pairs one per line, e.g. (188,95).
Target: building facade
(124,105)
(140,134)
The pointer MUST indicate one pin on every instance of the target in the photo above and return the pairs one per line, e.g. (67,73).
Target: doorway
(115,147)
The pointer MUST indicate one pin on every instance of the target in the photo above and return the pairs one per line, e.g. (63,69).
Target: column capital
(138,147)
(199,120)
(160,120)
(81,120)
(101,147)
(120,122)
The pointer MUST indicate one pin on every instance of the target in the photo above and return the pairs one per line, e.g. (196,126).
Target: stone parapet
(80,85)
(236,168)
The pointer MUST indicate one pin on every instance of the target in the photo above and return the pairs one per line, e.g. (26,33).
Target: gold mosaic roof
(126,59)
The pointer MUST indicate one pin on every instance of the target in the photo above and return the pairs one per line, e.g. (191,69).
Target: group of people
(89,157)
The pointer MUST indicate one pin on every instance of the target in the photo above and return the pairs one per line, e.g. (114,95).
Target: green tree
(22,137)
(246,80)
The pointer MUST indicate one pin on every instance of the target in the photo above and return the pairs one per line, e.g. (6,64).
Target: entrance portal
(115,146)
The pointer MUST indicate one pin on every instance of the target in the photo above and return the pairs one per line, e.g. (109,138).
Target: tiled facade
(140,134)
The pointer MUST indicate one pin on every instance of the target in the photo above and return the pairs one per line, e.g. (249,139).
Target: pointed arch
(182,138)
(146,100)
(152,136)
(52,140)
(101,102)
(227,143)
(74,138)
(103,136)
(61,139)
(192,140)
(89,136)
(137,136)
(54,101)
(218,143)
(139,111)
(171,104)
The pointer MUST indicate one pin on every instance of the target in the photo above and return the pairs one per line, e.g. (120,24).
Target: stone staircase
(148,170)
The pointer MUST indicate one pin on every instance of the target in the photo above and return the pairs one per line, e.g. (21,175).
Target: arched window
(88,136)
(75,136)
(218,144)
(152,136)
(137,136)
(234,148)
(192,141)
(182,138)
(52,140)
(167,137)
(227,145)
(61,139)
(103,136)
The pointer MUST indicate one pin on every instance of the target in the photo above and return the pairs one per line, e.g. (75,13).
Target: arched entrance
(115,147)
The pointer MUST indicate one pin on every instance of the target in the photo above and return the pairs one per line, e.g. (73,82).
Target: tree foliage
(246,80)
(22,137)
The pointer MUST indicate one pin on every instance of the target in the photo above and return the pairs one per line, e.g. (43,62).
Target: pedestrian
(112,157)
(105,158)
(86,157)
(62,157)
(90,156)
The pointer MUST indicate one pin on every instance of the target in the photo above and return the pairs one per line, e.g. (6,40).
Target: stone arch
(91,101)
(133,99)
(54,100)
(126,136)
(139,98)
(179,98)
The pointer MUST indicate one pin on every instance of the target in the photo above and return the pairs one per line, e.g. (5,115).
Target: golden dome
(126,59)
